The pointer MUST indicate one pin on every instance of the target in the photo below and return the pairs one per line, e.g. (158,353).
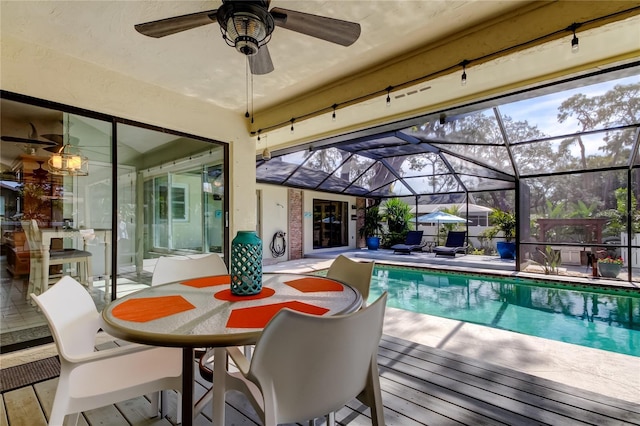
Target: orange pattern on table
(226,295)
(315,284)
(208,281)
(259,316)
(151,308)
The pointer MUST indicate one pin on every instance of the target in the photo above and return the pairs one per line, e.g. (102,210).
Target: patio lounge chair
(412,242)
(456,243)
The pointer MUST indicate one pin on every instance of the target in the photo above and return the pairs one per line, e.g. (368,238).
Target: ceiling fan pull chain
(246,114)
(251,76)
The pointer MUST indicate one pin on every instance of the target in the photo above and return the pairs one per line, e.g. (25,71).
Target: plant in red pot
(610,267)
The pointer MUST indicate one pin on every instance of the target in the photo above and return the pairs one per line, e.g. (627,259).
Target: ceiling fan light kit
(245,26)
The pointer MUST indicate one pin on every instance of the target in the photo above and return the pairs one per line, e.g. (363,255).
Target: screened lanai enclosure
(563,157)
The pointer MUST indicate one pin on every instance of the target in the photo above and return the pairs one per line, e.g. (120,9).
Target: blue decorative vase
(373,243)
(506,250)
(246,264)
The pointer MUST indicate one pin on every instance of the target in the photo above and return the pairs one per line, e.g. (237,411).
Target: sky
(542,111)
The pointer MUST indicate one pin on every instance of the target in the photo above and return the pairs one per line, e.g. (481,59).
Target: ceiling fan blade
(336,31)
(261,63)
(26,141)
(176,24)
(59,139)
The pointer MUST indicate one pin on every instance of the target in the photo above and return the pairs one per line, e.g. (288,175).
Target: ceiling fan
(247,25)
(30,143)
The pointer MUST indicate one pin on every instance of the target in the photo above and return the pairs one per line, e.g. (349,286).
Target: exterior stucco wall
(279,213)
(274,216)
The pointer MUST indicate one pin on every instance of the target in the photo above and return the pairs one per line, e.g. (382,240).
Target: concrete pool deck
(604,372)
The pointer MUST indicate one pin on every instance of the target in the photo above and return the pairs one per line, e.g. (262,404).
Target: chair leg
(39,286)
(247,351)
(73,419)
(157,404)
(58,413)
(179,409)
(331,419)
(31,286)
(164,405)
(88,273)
(372,395)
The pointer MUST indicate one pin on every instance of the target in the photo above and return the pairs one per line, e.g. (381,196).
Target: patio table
(48,234)
(203,313)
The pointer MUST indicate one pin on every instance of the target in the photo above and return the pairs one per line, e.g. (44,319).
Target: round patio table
(203,312)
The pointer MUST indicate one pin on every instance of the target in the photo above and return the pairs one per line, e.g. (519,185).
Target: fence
(635,251)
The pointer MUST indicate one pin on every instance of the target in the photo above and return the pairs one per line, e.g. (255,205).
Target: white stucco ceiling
(401,40)
(197,63)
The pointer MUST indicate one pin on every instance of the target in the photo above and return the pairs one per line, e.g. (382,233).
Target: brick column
(361,205)
(295,230)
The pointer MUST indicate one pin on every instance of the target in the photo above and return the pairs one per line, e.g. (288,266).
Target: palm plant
(398,216)
(372,226)
(505,222)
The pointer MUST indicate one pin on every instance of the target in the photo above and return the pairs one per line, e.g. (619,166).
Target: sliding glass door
(125,192)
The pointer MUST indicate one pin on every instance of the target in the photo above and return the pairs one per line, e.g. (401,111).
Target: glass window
(182,209)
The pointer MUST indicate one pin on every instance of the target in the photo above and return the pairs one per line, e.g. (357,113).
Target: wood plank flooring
(421,386)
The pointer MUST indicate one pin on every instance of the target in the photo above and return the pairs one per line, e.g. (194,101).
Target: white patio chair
(336,356)
(174,268)
(81,258)
(91,379)
(356,274)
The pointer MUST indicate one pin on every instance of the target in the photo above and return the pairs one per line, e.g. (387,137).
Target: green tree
(618,216)
(618,106)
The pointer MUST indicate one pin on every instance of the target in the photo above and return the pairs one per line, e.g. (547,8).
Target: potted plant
(610,266)
(505,222)
(372,227)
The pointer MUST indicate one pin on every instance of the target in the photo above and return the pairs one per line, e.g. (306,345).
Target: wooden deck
(421,386)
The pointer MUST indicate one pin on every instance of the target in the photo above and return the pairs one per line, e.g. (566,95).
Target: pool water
(596,318)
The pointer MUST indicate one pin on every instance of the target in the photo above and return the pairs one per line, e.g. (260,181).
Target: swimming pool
(597,318)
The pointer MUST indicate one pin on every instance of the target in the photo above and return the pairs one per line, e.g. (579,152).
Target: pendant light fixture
(575,43)
(463,79)
(67,163)
(266,154)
